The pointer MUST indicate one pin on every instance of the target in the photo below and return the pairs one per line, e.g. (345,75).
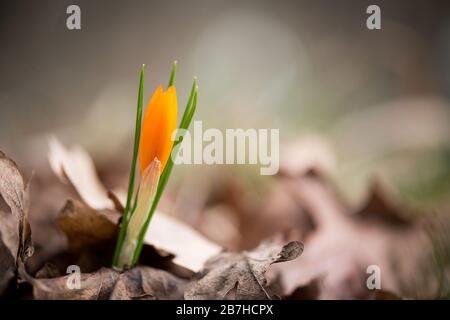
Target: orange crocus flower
(160,121)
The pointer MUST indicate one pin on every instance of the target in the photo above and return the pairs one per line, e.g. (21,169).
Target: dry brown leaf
(15,193)
(149,284)
(243,271)
(93,286)
(91,234)
(136,283)
(342,246)
(86,227)
(15,232)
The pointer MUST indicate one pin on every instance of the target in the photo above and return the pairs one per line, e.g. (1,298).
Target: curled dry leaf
(15,193)
(93,286)
(189,247)
(86,227)
(106,283)
(15,232)
(243,271)
(149,284)
(343,246)
(91,234)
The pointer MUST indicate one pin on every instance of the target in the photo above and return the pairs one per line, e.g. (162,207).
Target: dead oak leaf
(342,245)
(15,232)
(147,283)
(86,227)
(93,286)
(243,271)
(105,283)
(15,193)
(91,234)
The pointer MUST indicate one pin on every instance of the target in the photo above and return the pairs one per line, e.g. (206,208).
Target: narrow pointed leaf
(137,135)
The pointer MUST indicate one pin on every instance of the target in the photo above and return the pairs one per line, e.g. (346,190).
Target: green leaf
(137,135)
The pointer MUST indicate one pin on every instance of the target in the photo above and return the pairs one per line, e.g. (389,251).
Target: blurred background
(359,105)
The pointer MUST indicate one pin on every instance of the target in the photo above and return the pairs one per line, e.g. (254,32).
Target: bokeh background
(360,103)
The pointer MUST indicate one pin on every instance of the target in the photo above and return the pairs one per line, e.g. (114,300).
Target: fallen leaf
(106,283)
(93,286)
(342,246)
(86,227)
(243,271)
(15,232)
(15,193)
(147,283)
(91,234)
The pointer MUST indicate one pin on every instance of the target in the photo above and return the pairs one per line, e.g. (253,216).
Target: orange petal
(160,121)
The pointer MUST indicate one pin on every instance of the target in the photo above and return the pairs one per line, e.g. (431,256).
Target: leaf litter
(179,262)
(91,224)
